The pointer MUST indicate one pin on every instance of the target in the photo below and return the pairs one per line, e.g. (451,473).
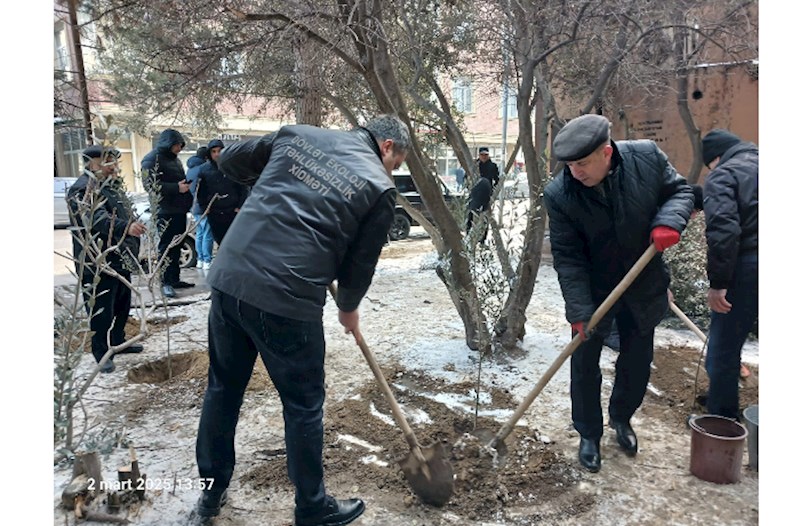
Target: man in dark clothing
(103,216)
(231,195)
(479,198)
(731,209)
(162,173)
(606,206)
(203,240)
(486,167)
(320,210)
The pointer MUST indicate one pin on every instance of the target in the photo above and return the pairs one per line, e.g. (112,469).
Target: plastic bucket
(717,449)
(751,423)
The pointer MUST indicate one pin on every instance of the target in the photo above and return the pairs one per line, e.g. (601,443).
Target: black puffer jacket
(164,167)
(212,181)
(111,214)
(597,234)
(730,203)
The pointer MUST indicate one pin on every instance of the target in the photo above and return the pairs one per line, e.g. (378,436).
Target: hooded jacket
(320,210)
(212,181)
(103,208)
(730,203)
(163,167)
(597,234)
(194,163)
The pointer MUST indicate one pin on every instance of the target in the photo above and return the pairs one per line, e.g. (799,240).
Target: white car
(141,207)
(60,211)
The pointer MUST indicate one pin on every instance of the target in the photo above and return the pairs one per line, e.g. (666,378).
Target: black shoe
(335,513)
(210,503)
(183,285)
(626,438)
(589,454)
(168,291)
(133,349)
(108,367)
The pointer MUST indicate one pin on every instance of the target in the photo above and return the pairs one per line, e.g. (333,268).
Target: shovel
(497,443)
(426,469)
(744,372)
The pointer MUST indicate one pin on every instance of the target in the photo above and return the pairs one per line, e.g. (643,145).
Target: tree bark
(80,71)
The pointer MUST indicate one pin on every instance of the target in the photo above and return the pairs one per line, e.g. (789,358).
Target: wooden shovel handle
(411,438)
(685,319)
(601,311)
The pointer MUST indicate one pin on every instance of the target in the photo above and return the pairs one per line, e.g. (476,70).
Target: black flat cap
(716,143)
(95,151)
(580,137)
(483,149)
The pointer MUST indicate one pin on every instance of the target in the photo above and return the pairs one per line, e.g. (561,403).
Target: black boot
(626,438)
(589,454)
(334,513)
(210,503)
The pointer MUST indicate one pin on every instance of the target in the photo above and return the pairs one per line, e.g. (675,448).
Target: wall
(725,96)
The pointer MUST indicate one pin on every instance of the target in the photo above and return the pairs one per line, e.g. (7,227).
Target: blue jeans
(203,240)
(294,353)
(727,335)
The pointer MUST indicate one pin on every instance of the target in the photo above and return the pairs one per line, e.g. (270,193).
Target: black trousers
(170,225)
(220,222)
(630,382)
(112,305)
(294,353)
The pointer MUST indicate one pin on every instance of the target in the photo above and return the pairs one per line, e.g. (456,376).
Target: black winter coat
(320,210)
(164,167)
(597,234)
(212,181)
(111,214)
(490,171)
(730,203)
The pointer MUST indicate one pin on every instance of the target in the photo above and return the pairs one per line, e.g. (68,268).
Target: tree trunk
(378,71)
(80,71)
(307,78)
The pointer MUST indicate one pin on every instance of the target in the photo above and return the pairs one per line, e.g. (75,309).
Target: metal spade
(426,469)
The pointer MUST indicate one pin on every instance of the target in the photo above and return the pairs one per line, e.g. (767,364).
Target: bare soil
(541,481)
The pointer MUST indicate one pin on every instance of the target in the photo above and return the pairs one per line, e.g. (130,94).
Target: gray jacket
(597,234)
(320,210)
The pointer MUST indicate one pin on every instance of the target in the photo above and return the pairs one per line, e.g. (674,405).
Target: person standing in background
(203,240)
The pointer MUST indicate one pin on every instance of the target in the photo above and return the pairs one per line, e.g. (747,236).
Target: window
(69,145)
(61,57)
(511,104)
(462,95)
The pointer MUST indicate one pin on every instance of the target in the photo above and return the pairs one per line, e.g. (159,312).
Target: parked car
(516,186)
(402,220)
(141,207)
(60,211)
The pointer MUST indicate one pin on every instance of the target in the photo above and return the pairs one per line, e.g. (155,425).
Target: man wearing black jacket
(101,213)
(321,206)
(162,173)
(731,209)
(230,194)
(608,204)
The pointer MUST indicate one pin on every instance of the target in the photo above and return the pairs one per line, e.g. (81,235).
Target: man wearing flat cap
(731,209)
(611,200)
(103,218)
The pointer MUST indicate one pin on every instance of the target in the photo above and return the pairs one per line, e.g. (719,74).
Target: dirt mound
(363,449)
(678,382)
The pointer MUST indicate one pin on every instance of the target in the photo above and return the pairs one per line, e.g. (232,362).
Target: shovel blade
(437,489)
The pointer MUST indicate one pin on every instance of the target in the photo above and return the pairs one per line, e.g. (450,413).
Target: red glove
(664,237)
(580,328)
